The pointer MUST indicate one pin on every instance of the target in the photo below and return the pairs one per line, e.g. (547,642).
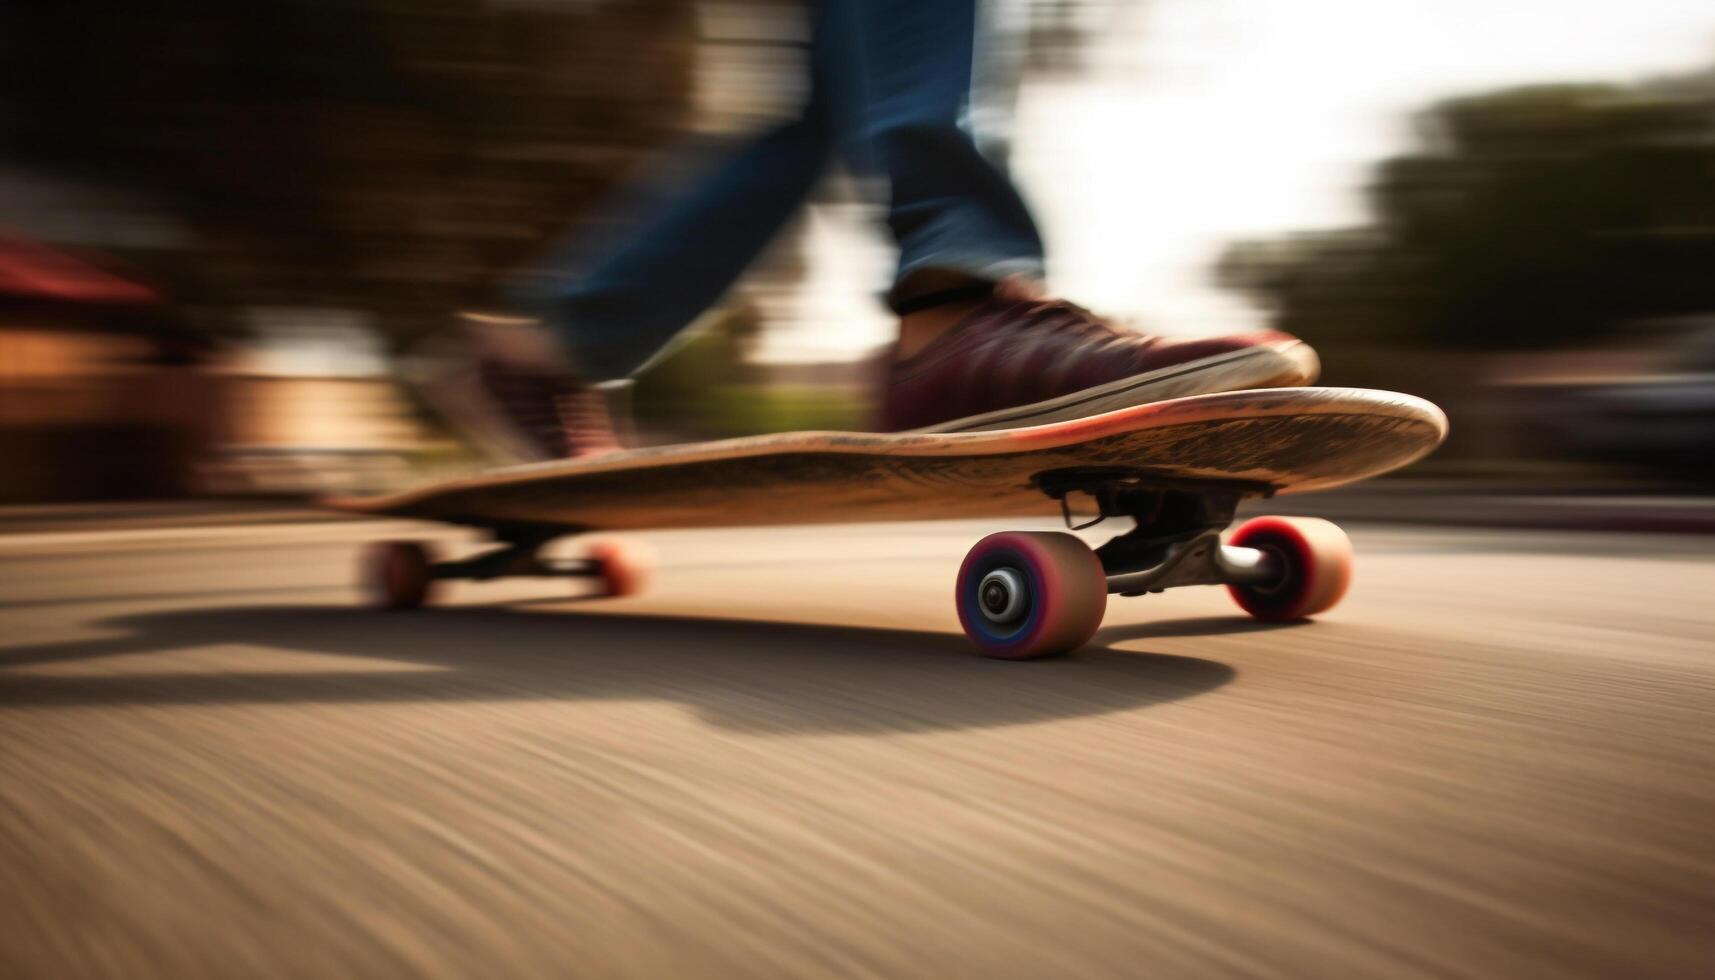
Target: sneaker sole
(1287,364)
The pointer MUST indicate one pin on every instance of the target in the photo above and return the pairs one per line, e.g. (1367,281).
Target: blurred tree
(677,392)
(395,157)
(1530,217)
(707,387)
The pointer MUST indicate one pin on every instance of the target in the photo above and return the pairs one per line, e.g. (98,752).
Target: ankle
(518,342)
(920,328)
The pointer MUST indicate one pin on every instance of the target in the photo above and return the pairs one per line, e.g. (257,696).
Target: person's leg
(980,346)
(611,302)
(676,260)
(891,84)
(956,216)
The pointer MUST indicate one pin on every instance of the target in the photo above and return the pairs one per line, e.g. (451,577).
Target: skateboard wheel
(624,567)
(398,574)
(1315,559)
(1024,594)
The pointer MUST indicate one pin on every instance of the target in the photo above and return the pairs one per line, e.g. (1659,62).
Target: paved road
(1496,760)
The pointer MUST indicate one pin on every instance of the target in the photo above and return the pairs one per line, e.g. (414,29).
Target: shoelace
(1052,336)
(1070,330)
(1062,316)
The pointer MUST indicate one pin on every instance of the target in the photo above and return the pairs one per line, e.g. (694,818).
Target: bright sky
(1209,120)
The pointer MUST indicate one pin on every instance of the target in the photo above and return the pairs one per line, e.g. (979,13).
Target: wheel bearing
(1002,595)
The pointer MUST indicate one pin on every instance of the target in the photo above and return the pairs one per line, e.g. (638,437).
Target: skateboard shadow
(1192,626)
(758,677)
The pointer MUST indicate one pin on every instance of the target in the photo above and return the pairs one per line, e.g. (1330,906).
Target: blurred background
(227,229)
(232,233)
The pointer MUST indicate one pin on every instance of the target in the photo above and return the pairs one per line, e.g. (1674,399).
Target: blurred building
(308,404)
(278,167)
(99,392)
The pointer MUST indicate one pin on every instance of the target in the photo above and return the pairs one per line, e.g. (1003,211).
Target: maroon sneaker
(515,402)
(1020,360)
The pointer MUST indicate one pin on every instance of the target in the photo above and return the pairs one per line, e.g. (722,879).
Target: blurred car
(1662,420)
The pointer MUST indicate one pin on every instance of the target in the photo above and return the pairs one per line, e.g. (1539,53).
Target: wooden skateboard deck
(1254,443)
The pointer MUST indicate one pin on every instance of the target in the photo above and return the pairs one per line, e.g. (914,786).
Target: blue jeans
(890,84)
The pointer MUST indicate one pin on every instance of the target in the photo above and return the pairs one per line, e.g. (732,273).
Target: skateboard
(1177,469)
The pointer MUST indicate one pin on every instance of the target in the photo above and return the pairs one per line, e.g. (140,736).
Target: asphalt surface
(1496,759)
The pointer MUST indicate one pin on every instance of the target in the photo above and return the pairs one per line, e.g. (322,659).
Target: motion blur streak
(1491,762)
(233,235)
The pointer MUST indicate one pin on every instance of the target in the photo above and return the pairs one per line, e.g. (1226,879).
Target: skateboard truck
(513,561)
(1176,539)
(1202,560)
(403,574)
(1025,593)
(516,556)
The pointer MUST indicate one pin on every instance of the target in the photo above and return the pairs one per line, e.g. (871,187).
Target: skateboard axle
(1202,560)
(514,560)
(1002,595)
